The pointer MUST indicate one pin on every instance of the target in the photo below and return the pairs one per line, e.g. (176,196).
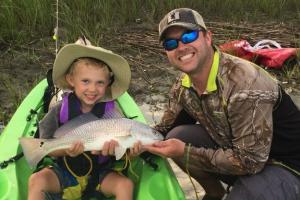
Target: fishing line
(127,163)
(130,167)
(73,173)
(187,170)
(55,36)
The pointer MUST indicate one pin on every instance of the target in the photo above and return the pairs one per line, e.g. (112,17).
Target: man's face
(189,57)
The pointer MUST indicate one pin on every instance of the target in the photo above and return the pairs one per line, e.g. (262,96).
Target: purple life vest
(70,108)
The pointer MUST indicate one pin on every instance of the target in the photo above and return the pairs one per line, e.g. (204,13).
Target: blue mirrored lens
(187,37)
(170,44)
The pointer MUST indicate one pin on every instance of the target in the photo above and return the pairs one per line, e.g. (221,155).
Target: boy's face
(89,82)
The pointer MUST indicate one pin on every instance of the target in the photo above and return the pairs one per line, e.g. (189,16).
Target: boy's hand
(76,149)
(136,149)
(109,148)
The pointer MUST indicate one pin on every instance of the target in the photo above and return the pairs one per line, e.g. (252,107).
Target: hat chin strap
(111,79)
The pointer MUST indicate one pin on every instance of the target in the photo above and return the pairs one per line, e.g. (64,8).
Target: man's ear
(208,37)
(70,80)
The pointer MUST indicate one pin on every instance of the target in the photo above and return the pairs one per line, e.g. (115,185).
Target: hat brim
(117,64)
(188,26)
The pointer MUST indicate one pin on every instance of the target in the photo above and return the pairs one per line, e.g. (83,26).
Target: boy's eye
(100,82)
(85,81)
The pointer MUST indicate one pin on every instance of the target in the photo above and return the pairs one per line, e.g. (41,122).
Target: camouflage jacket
(237,114)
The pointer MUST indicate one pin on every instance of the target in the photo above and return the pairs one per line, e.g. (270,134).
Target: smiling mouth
(186,57)
(91,97)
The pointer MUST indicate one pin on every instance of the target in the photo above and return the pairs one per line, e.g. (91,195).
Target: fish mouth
(158,136)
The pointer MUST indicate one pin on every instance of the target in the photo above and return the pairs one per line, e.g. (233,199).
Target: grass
(20,20)
(24,19)
(18,76)
(15,93)
(291,71)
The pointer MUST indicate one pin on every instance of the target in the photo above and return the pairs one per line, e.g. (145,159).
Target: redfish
(93,133)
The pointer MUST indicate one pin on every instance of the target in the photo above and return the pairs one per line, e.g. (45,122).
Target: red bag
(239,48)
(270,57)
(274,58)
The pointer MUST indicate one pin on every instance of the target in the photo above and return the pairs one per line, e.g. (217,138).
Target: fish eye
(41,144)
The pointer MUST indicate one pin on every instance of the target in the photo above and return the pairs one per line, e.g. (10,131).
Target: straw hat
(83,48)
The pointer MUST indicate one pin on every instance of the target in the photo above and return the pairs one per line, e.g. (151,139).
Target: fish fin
(74,123)
(119,152)
(33,150)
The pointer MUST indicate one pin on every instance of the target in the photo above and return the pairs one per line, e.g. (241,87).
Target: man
(227,119)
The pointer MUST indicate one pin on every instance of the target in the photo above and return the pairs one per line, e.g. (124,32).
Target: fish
(93,133)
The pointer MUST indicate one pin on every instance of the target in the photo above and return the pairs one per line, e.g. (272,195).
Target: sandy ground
(186,183)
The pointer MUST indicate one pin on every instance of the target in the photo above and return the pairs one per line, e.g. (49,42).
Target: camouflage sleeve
(250,119)
(171,112)
(251,125)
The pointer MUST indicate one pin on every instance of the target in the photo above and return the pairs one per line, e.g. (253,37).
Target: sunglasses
(186,37)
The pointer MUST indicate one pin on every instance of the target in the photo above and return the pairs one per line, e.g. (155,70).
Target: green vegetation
(23,19)
(14,93)
(26,28)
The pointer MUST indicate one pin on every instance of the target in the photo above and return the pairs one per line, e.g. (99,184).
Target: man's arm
(174,114)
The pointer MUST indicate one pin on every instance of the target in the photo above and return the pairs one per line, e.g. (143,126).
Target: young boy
(95,77)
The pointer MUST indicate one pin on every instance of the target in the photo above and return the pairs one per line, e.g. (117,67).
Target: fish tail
(33,150)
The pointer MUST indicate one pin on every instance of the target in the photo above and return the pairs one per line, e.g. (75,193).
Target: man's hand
(76,149)
(169,148)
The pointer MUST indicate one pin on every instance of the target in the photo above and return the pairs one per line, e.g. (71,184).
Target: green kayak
(151,183)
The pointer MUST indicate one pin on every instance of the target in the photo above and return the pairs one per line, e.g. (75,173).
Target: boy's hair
(88,61)
(91,61)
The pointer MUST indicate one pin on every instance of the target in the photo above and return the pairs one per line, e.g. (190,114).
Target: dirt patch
(23,66)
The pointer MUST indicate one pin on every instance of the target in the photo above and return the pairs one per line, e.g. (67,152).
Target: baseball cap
(184,17)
